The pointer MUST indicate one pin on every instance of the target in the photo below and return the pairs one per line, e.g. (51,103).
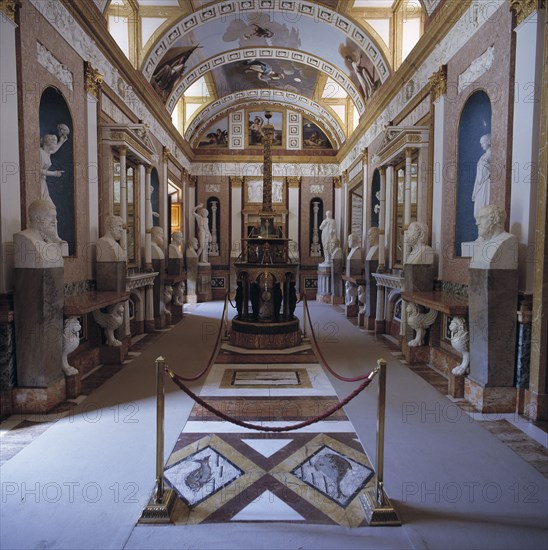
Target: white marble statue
(361,298)
(373,243)
(328,227)
(176,246)
(50,144)
(460,340)
(482,184)
(418,252)
(110,321)
(204,234)
(108,248)
(166,299)
(38,246)
(419,322)
(157,242)
(71,340)
(351,297)
(494,247)
(179,294)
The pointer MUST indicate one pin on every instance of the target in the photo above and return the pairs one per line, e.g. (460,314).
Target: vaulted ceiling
(323,58)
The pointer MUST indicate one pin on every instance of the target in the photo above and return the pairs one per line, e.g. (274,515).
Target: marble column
(148,218)
(123,196)
(315,249)
(382,219)
(214,246)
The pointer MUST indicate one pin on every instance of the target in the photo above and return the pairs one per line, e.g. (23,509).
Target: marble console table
(449,304)
(80,304)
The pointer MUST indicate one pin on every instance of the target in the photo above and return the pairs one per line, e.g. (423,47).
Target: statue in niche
(71,340)
(49,145)
(176,245)
(39,246)
(418,252)
(460,340)
(108,248)
(420,322)
(328,228)
(110,321)
(157,244)
(204,234)
(494,247)
(373,243)
(482,183)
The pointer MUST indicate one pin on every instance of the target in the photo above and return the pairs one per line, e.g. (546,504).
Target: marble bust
(494,247)
(176,245)
(108,248)
(418,252)
(157,245)
(373,243)
(38,246)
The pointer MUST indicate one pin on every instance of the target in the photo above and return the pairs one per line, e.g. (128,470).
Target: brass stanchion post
(378,508)
(158,509)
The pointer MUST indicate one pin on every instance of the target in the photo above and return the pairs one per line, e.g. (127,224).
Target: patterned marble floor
(222,472)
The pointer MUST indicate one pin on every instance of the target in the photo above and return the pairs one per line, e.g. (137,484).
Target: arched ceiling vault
(277,45)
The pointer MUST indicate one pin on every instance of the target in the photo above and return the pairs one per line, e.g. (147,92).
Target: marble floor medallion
(201,475)
(334,474)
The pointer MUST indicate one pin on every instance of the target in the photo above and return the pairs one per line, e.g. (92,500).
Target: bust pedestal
(39,298)
(175,267)
(418,277)
(111,276)
(337,290)
(323,294)
(204,282)
(370,294)
(354,263)
(493,299)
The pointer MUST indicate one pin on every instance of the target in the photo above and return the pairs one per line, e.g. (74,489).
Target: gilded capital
(166,153)
(438,83)
(293,182)
(337,182)
(92,79)
(365,156)
(236,181)
(524,8)
(8,8)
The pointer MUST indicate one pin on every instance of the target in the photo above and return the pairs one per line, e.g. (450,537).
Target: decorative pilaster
(123,196)
(315,249)
(148,218)
(438,83)
(268,131)
(382,214)
(214,245)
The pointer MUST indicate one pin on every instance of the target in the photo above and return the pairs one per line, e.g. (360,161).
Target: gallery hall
(273,274)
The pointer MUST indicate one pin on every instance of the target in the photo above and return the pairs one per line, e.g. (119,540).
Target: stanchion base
(159,512)
(379,515)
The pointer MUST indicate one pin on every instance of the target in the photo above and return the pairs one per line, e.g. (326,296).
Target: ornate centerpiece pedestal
(492,304)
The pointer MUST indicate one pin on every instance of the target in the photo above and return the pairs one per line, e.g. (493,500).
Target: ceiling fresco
(284,45)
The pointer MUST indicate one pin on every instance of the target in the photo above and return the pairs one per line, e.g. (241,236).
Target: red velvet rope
(320,354)
(179,381)
(215,349)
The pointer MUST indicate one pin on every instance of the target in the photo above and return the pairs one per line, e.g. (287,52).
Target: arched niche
(475,122)
(214,209)
(375,203)
(53,112)
(315,220)
(155,196)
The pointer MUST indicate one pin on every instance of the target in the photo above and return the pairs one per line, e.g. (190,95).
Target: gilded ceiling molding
(8,8)
(438,83)
(92,79)
(524,8)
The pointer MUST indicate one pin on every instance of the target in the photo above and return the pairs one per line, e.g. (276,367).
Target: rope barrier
(179,381)
(323,361)
(215,349)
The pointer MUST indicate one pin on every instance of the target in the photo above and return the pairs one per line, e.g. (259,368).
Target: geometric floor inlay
(334,474)
(265,378)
